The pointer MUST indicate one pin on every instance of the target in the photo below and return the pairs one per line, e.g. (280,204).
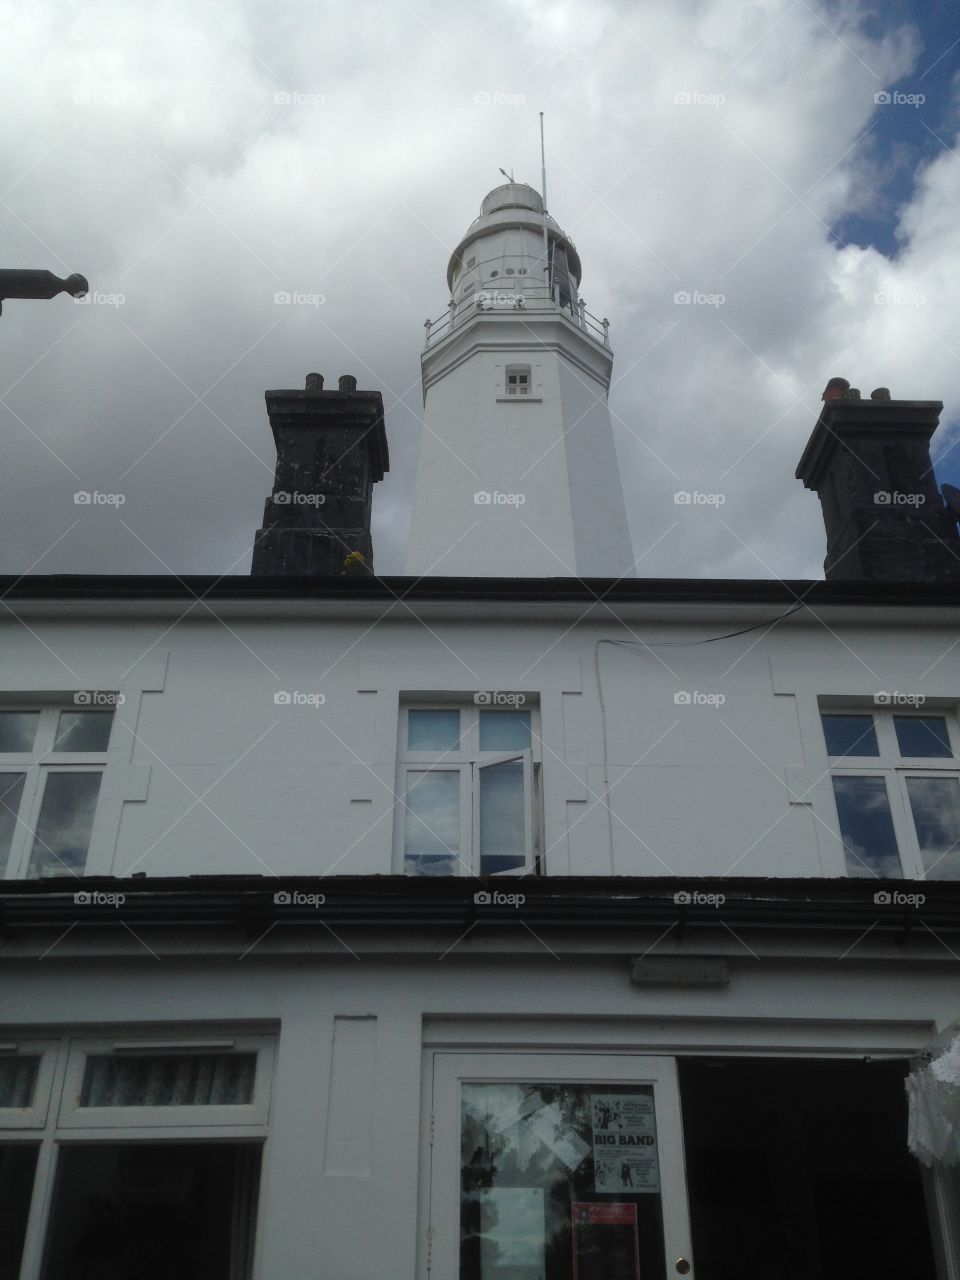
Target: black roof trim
(574,903)
(105,587)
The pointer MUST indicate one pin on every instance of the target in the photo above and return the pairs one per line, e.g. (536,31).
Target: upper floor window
(518,380)
(896,782)
(51,763)
(469,777)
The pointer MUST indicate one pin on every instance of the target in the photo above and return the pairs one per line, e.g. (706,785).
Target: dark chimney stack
(331,450)
(869,462)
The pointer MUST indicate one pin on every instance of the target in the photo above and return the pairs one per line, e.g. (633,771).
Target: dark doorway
(799,1170)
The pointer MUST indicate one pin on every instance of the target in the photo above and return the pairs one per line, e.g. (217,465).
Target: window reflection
(869,841)
(11,789)
(83,730)
(66,820)
(432,822)
(936,814)
(504,730)
(433,730)
(850,735)
(502,817)
(922,736)
(18,730)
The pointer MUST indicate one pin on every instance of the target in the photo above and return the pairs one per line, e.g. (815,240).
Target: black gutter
(96,587)
(572,903)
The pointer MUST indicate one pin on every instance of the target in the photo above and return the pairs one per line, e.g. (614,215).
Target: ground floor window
(152,1211)
(131,1158)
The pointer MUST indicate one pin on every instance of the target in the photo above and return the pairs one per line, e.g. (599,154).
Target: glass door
(556,1166)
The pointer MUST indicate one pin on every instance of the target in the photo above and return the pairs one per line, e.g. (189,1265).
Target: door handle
(683,1266)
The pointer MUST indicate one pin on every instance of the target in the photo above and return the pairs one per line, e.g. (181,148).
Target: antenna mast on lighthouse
(543,192)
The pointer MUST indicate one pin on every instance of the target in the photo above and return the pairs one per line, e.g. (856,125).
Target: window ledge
(519,399)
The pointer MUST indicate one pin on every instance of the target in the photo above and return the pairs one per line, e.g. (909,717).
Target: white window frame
(37,765)
(256,1112)
(895,769)
(56,1122)
(518,371)
(34,1116)
(468,762)
(446,1072)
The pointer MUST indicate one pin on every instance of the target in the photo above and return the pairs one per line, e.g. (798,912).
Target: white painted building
(467,930)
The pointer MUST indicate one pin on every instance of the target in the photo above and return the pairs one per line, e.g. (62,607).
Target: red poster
(605,1242)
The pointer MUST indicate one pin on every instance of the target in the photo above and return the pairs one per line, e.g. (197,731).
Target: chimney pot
(347,382)
(835,389)
(880,393)
(852,393)
(314,382)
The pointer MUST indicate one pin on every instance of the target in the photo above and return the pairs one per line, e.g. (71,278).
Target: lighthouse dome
(506,242)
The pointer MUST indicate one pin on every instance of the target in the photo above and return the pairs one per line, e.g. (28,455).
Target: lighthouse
(517,473)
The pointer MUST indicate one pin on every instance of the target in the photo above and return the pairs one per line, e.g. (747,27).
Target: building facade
(484,928)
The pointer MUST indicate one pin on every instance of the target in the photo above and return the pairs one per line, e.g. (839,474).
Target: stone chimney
(869,461)
(331,450)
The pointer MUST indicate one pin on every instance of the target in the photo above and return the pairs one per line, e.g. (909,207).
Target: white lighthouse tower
(517,475)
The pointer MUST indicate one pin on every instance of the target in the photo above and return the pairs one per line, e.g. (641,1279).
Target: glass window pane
(936,814)
(554,1174)
(18,1163)
(83,730)
(168,1080)
(18,729)
(18,1076)
(150,1210)
(923,736)
(432,822)
(850,735)
(504,730)
(66,820)
(433,730)
(11,789)
(869,841)
(502,817)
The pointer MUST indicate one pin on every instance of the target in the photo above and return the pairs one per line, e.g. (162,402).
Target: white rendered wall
(740,787)
(476,441)
(547,460)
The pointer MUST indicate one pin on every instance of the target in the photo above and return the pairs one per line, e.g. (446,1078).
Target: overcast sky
(192,160)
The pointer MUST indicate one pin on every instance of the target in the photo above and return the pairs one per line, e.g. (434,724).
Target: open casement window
(135,1157)
(52,760)
(896,785)
(468,790)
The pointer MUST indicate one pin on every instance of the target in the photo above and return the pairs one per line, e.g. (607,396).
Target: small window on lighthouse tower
(518,380)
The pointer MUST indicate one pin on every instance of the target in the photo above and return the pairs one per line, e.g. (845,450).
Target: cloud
(198,161)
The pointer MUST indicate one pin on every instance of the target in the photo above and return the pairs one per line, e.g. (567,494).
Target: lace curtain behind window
(17,1078)
(169,1080)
